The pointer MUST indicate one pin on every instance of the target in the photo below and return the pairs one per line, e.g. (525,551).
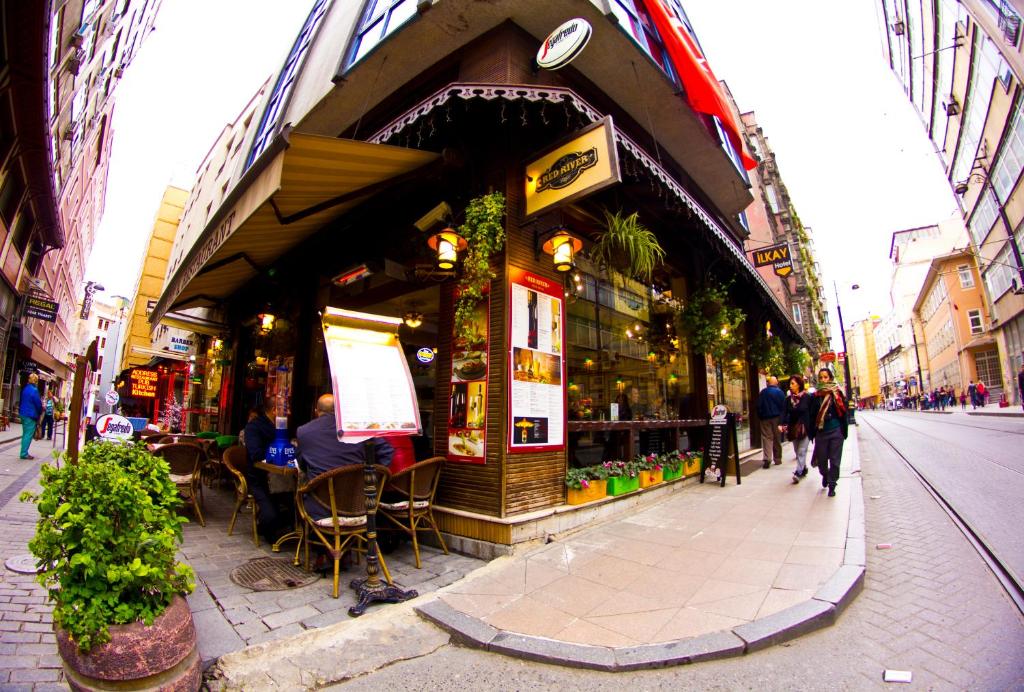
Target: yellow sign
(575,168)
(777,256)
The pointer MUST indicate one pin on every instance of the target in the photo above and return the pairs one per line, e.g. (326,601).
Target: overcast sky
(850,147)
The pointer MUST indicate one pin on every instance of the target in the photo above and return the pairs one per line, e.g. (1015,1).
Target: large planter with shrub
(650,477)
(620,485)
(667,474)
(107,538)
(691,467)
(595,491)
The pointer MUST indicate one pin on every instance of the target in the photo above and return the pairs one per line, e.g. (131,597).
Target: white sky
(850,147)
(192,76)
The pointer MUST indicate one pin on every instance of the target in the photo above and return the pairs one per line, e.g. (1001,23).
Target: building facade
(953,315)
(861,352)
(960,65)
(68,58)
(346,171)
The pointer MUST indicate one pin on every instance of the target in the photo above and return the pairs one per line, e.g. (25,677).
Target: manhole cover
(22,564)
(271,574)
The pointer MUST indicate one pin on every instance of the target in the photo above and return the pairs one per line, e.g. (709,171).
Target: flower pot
(691,467)
(138,656)
(620,485)
(596,491)
(649,478)
(669,475)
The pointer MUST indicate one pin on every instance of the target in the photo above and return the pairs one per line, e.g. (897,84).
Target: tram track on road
(946,421)
(1005,576)
(912,429)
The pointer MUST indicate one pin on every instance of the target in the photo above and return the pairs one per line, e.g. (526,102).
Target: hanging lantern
(563,246)
(412,319)
(447,244)
(266,322)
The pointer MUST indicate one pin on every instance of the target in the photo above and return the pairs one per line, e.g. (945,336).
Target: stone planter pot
(649,478)
(668,475)
(162,656)
(620,485)
(596,491)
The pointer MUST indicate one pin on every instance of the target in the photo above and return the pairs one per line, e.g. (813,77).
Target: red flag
(703,91)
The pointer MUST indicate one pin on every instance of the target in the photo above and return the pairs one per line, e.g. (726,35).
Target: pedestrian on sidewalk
(963,400)
(972,393)
(771,404)
(828,428)
(48,409)
(797,420)
(30,410)
(982,394)
(1020,385)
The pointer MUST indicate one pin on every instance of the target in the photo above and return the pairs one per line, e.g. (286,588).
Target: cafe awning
(157,353)
(299,184)
(192,323)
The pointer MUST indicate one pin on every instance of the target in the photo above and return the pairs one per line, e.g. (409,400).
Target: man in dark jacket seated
(259,433)
(320,450)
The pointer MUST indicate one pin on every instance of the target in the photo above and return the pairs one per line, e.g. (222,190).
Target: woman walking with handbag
(828,428)
(797,419)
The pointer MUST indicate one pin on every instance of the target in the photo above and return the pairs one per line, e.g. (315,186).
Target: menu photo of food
(466,443)
(530,430)
(536,366)
(469,365)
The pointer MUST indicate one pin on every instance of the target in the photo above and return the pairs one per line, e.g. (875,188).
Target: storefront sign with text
(143,383)
(777,256)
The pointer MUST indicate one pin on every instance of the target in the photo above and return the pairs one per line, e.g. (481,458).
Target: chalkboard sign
(722,444)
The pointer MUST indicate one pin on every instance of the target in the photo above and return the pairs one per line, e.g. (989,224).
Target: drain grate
(271,574)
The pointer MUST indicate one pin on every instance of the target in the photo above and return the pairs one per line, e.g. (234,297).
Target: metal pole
(850,406)
(917,357)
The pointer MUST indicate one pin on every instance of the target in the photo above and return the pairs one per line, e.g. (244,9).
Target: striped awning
(299,184)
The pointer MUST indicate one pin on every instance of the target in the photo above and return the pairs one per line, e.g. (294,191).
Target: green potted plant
(769,355)
(583,486)
(672,465)
(623,477)
(650,470)
(692,461)
(627,246)
(484,231)
(710,325)
(106,542)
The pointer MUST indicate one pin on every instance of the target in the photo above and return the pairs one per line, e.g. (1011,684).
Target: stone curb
(995,414)
(820,611)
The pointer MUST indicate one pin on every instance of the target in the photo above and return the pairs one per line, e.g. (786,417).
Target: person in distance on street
(1020,385)
(828,428)
(796,422)
(31,410)
(771,404)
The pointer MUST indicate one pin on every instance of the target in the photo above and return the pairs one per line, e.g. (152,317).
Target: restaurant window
(974,317)
(381,18)
(11,193)
(274,109)
(966,276)
(727,384)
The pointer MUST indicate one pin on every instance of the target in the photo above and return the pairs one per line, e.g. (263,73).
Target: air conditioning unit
(76,61)
(1009,24)
(898,27)
(118,72)
(951,106)
(69,134)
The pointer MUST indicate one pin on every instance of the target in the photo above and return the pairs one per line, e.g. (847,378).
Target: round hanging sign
(114,427)
(563,44)
(425,355)
(112,398)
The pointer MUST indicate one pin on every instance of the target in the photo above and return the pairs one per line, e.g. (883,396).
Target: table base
(384,593)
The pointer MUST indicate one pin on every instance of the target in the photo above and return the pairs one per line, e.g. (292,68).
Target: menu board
(373,390)
(468,402)
(536,363)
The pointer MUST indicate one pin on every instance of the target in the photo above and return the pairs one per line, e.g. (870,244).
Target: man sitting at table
(320,450)
(258,434)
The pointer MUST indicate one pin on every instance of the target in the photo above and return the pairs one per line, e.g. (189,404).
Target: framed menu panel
(373,389)
(468,402)
(536,363)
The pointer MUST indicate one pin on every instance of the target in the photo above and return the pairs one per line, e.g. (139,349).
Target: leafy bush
(651,462)
(618,469)
(710,325)
(673,461)
(106,538)
(484,231)
(577,478)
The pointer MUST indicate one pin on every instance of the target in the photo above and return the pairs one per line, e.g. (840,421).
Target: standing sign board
(536,363)
(373,389)
(722,447)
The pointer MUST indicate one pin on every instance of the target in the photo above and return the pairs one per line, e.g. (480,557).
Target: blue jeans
(28,431)
(48,426)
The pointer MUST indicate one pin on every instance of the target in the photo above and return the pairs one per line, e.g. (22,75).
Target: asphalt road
(975,462)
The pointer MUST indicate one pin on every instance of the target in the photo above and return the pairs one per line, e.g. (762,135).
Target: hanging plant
(717,333)
(484,231)
(769,355)
(628,246)
(797,360)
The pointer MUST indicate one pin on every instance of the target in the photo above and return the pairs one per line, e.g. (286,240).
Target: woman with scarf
(796,423)
(828,428)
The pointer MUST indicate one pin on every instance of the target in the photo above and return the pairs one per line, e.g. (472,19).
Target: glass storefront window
(728,385)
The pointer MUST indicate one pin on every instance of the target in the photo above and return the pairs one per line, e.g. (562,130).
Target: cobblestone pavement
(929,606)
(228,617)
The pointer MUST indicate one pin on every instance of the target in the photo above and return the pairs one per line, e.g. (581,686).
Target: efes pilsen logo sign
(578,166)
(567,169)
(777,256)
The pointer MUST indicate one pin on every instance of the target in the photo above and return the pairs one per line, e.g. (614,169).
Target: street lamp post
(850,406)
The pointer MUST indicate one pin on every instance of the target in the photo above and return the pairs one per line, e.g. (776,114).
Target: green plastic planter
(620,485)
(672,475)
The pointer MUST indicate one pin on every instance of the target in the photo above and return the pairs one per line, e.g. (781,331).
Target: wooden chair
(185,461)
(236,461)
(411,507)
(339,492)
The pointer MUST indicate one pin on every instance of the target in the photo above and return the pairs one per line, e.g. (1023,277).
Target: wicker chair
(412,507)
(185,461)
(340,493)
(236,461)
